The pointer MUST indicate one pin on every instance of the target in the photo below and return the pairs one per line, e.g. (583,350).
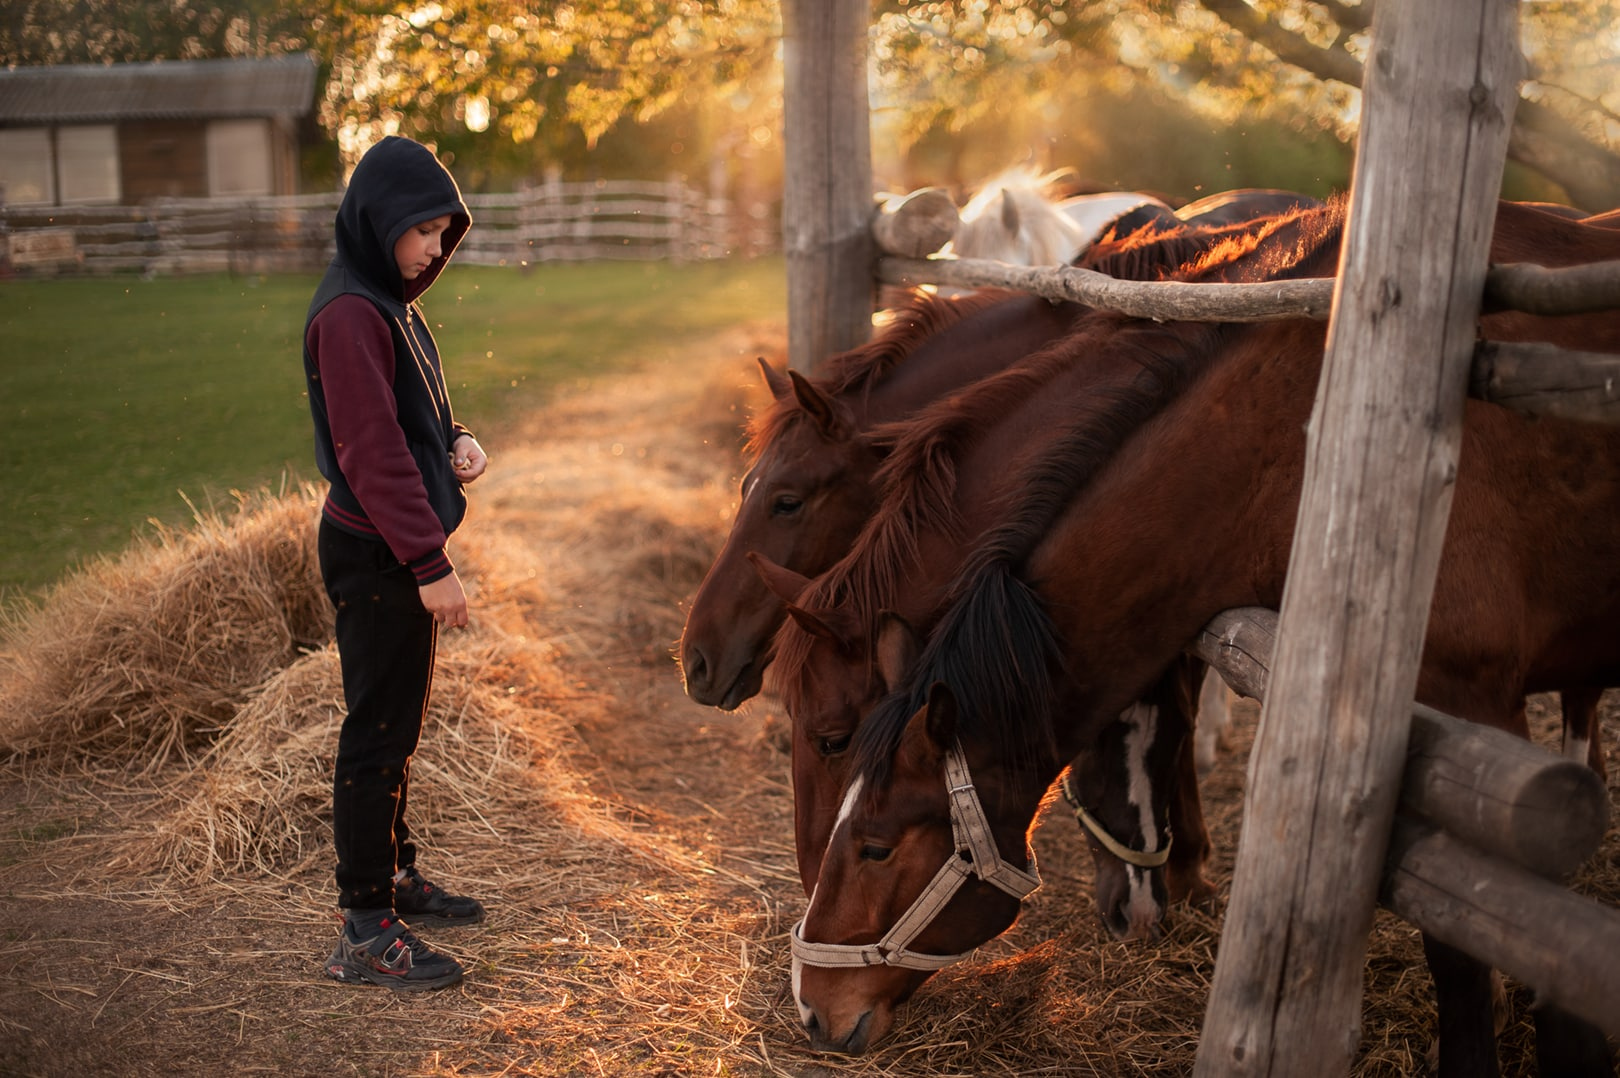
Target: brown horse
(1053,630)
(809,489)
(950,476)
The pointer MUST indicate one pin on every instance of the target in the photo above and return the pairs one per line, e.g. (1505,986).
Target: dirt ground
(634,849)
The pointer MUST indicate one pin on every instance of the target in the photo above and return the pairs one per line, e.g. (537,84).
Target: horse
(946,479)
(809,487)
(1052,630)
(1011,219)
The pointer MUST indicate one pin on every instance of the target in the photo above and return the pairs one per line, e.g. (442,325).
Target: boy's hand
(445,600)
(468,458)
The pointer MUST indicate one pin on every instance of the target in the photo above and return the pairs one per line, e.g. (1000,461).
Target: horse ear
(821,408)
(816,625)
(775,380)
(942,715)
(1009,214)
(931,731)
(781,582)
(897,648)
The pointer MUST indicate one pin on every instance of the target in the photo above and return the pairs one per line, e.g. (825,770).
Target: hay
(141,660)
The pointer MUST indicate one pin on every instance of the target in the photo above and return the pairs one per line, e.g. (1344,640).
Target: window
(239,158)
(26,177)
(87,163)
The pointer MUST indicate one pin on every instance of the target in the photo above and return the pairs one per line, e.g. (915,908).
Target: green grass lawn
(125,394)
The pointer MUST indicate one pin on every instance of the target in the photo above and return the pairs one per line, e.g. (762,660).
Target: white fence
(553,222)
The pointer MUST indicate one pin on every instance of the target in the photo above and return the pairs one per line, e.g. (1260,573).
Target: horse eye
(786,505)
(833,746)
(870,852)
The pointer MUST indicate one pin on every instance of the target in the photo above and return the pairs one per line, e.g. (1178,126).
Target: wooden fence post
(1442,79)
(827,189)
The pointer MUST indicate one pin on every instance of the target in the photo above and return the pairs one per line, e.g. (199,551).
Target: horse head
(809,489)
(925,863)
(851,669)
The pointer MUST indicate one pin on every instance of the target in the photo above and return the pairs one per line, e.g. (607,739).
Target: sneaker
(393,958)
(424,903)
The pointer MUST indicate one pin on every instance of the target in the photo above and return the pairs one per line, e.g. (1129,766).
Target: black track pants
(386,642)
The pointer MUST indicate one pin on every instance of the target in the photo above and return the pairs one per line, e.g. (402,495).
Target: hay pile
(142,659)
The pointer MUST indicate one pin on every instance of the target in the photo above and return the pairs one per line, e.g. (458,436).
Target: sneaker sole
(347,973)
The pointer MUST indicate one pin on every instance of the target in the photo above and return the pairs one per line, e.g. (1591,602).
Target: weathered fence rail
(1535,379)
(1487,823)
(551,222)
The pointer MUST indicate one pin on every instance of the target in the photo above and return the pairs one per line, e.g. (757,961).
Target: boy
(396,461)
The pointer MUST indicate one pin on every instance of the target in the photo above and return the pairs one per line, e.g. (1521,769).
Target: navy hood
(396,185)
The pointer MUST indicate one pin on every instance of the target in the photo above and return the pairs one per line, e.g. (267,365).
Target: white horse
(1011,219)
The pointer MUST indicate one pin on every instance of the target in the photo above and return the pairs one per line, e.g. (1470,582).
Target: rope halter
(1093,826)
(975,855)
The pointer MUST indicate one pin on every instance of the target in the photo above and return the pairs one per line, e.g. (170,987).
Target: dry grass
(168,722)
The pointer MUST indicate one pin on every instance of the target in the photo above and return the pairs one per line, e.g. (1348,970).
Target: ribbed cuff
(431,567)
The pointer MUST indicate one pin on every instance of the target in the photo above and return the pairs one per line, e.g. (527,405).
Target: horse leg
(1462,994)
(1190,845)
(1215,702)
(1570,1046)
(1583,732)
(1184,876)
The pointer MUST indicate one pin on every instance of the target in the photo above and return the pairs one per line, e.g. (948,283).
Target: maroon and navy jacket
(383,425)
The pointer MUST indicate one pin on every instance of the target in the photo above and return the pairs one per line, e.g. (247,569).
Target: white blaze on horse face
(748,490)
(1142,913)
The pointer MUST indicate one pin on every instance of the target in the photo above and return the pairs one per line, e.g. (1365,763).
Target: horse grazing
(809,487)
(1053,629)
(950,475)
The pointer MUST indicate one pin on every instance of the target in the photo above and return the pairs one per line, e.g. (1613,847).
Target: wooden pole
(827,189)
(1381,457)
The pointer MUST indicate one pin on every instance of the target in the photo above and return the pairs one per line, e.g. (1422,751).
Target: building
(124,134)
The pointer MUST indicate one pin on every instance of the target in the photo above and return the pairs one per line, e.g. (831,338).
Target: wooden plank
(1380,460)
(1540,379)
(1540,934)
(1502,794)
(1553,289)
(827,186)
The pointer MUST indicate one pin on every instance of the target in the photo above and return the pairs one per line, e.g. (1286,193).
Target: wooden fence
(551,222)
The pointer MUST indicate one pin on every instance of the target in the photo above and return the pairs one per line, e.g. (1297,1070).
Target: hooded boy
(396,459)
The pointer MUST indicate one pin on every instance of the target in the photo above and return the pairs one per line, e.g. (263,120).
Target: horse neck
(1192,516)
(1002,329)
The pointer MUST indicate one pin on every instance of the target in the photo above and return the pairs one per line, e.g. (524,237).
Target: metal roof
(161,90)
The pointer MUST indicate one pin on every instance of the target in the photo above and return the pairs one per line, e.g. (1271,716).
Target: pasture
(129,397)
(164,839)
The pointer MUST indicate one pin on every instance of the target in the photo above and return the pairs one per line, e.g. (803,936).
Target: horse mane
(856,371)
(982,231)
(1247,250)
(995,646)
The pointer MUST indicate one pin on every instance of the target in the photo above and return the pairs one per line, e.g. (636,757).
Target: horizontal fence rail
(552,222)
(1489,825)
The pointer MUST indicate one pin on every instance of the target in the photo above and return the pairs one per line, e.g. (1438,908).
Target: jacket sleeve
(354,350)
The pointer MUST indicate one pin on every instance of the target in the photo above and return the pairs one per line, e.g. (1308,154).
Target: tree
(553,79)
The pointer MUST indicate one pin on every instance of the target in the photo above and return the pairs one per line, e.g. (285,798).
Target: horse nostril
(695,665)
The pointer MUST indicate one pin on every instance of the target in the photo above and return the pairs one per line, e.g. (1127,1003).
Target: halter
(976,855)
(1139,858)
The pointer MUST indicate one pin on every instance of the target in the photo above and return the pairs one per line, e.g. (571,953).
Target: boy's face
(419,246)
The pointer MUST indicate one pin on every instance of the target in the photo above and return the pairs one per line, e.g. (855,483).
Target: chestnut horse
(809,488)
(951,474)
(1052,631)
